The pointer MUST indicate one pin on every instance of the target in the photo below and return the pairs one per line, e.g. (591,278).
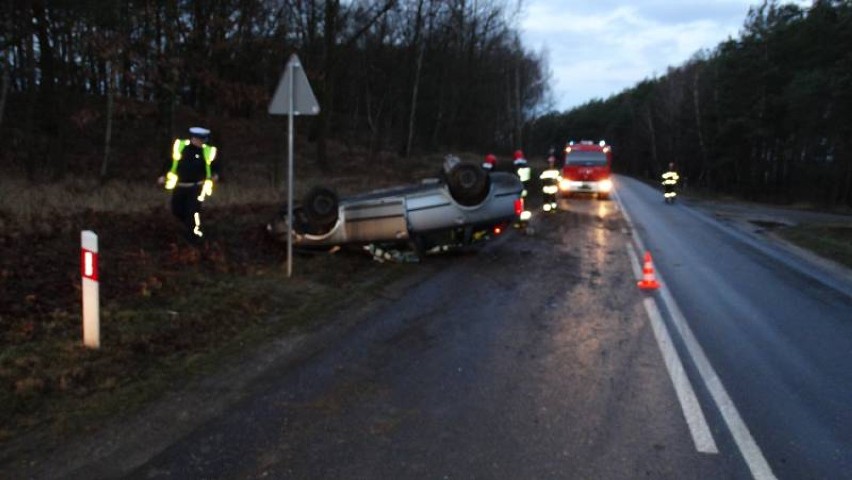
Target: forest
(767,116)
(397,75)
(88,88)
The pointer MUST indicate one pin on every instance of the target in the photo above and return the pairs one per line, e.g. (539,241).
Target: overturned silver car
(463,206)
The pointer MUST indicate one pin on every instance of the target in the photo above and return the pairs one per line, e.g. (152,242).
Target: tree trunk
(109,117)
(439,116)
(31,156)
(332,7)
(418,68)
(519,140)
(4,87)
(846,191)
(7,67)
(649,122)
(702,147)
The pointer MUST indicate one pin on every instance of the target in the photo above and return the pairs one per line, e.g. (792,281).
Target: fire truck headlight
(564,184)
(606,185)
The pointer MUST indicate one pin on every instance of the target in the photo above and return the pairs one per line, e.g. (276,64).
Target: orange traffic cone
(648,281)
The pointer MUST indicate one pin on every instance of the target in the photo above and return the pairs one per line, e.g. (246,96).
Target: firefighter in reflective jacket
(522,170)
(190,175)
(670,179)
(549,184)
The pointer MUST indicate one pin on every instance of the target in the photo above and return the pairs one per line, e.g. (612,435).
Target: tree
(416,74)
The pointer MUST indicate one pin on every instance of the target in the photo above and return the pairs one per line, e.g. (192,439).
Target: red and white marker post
(91,289)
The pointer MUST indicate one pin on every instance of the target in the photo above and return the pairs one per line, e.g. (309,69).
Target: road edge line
(750,450)
(748,447)
(689,404)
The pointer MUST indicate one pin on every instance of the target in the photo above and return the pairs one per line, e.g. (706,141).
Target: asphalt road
(532,359)
(776,329)
(537,358)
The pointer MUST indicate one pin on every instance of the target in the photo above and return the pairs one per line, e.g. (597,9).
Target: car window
(586,159)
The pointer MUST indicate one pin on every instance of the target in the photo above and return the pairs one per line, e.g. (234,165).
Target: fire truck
(587,169)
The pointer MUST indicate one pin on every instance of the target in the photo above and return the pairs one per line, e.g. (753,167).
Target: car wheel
(468,183)
(320,207)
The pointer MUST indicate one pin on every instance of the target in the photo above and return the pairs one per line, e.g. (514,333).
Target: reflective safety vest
(670,178)
(177,153)
(549,174)
(523,170)
(549,181)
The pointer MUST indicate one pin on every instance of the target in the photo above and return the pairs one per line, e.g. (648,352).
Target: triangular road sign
(304,101)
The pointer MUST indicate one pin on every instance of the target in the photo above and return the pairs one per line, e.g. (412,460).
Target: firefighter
(190,175)
(549,184)
(522,170)
(670,179)
(490,162)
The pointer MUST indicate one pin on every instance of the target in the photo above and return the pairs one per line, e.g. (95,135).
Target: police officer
(549,184)
(670,179)
(190,175)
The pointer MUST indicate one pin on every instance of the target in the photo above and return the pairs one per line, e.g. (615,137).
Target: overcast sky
(597,48)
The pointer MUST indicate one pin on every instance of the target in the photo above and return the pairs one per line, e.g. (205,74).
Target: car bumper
(577,186)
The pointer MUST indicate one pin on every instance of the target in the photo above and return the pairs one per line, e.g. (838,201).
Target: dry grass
(27,208)
(829,241)
(168,310)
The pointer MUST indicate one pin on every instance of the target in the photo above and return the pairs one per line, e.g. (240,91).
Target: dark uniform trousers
(185,205)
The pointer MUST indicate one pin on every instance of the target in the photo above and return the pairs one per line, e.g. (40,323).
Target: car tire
(468,183)
(320,207)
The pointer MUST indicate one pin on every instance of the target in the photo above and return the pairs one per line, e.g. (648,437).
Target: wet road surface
(531,359)
(776,328)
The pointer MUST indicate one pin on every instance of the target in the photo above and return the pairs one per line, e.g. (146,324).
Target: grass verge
(833,242)
(169,311)
(153,343)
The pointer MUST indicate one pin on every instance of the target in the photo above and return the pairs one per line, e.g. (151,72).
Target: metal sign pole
(292,67)
(293,96)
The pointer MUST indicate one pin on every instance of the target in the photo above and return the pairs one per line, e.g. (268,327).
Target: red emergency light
(519,206)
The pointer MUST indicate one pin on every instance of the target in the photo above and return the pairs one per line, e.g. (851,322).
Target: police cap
(199,132)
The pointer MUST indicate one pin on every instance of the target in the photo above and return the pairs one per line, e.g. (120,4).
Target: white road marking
(749,449)
(689,404)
